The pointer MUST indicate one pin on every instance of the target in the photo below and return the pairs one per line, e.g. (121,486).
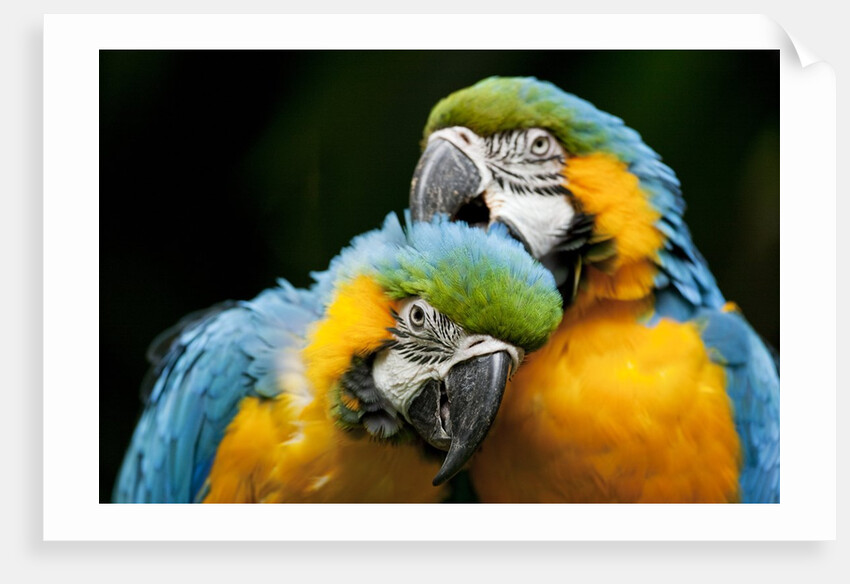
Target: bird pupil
(539,144)
(417,315)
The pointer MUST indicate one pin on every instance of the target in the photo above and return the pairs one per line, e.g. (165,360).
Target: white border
(71,510)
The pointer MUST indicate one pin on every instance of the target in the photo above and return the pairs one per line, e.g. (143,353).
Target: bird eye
(417,316)
(540,146)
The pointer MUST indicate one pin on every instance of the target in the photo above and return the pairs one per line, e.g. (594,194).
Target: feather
(753,387)
(205,367)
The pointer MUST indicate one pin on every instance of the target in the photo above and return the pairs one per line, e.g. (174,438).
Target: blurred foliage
(221,171)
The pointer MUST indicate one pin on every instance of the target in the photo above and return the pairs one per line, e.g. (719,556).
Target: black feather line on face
(387,344)
(499,170)
(398,333)
(569,254)
(577,234)
(513,168)
(358,380)
(372,414)
(436,341)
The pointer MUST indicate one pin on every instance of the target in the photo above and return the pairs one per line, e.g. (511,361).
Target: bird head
(577,187)
(423,327)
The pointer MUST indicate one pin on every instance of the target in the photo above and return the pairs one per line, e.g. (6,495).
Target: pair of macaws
(541,320)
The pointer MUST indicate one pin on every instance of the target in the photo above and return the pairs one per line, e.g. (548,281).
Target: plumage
(653,388)
(275,399)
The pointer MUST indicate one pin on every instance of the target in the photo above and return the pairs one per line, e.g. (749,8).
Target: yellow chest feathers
(289,449)
(612,410)
(279,452)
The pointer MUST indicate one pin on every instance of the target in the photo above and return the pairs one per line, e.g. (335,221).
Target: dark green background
(221,171)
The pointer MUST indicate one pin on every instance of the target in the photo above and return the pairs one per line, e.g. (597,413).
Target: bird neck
(355,326)
(619,261)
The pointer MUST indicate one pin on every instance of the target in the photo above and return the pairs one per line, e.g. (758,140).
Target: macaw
(347,391)
(654,388)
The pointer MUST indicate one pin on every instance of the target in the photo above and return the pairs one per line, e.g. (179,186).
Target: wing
(686,291)
(753,386)
(201,370)
(752,374)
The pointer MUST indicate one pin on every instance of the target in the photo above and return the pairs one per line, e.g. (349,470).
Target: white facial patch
(539,219)
(399,376)
(521,182)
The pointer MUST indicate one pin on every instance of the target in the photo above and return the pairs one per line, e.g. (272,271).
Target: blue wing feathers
(752,384)
(726,333)
(686,291)
(218,358)
(203,367)
(669,303)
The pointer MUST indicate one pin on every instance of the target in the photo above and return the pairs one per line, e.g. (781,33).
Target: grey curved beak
(456,415)
(445,178)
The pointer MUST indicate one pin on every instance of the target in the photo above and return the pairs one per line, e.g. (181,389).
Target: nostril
(478,342)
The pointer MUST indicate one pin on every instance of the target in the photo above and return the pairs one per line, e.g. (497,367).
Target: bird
(654,388)
(375,384)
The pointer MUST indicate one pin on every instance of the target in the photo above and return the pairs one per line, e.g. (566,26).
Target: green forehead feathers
(484,281)
(498,104)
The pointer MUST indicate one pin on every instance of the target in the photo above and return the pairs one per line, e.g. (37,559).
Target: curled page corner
(788,43)
(805,56)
